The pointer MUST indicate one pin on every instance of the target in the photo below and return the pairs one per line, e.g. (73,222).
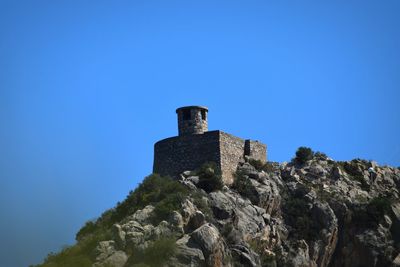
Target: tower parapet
(192,120)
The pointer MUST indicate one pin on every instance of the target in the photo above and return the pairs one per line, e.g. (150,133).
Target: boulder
(116,259)
(396,261)
(118,235)
(107,255)
(188,209)
(194,179)
(143,216)
(208,238)
(221,204)
(197,220)
(188,253)
(245,256)
(176,222)
(336,173)
(162,230)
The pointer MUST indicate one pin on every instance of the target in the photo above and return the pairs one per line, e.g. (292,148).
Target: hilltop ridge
(312,211)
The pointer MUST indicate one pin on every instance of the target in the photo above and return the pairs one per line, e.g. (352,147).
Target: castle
(196,145)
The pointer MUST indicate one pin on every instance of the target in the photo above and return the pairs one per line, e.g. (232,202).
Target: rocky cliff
(310,212)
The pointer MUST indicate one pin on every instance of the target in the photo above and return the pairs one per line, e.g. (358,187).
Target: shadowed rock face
(322,213)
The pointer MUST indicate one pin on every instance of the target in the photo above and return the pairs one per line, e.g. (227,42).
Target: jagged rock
(208,238)
(148,231)
(143,216)
(245,216)
(268,195)
(116,259)
(395,208)
(176,221)
(318,214)
(188,253)
(317,171)
(134,239)
(104,249)
(162,230)
(186,173)
(197,220)
(336,173)
(396,261)
(189,184)
(300,256)
(118,235)
(324,248)
(193,179)
(107,255)
(132,226)
(188,210)
(253,174)
(245,256)
(222,206)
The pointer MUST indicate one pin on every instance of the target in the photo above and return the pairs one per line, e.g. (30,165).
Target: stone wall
(232,152)
(256,150)
(174,155)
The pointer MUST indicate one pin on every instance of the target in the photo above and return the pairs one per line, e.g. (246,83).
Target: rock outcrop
(321,213)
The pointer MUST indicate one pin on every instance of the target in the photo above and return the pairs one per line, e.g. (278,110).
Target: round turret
(192,120)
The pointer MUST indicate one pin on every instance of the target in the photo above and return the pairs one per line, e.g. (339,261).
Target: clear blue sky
(87,87)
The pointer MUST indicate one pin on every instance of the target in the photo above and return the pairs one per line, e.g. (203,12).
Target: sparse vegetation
(78,255)
(297,214)
(303,205)
(378,207)
(320,155)
(210,178)
(162,192)
(88,228)
(303,154)
(352,169)
(267,260)
(372,213)
(202,204)
(262,166)
(155,254)
(243,185)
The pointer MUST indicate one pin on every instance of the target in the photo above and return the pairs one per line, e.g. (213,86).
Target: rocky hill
(312,211)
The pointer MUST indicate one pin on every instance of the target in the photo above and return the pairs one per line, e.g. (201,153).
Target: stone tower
(192,120)
(195,145)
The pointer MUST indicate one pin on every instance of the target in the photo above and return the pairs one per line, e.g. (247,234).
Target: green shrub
(378,207)
(372,213)
(303,154)
(163,193)
(155,190)
(261,166)
(79,255)
(163,209)
(210,178)
(298,215)
(320,155)
(88,228)
(352,169)
(243,185)
(154,255)
(258,164)
(202,204)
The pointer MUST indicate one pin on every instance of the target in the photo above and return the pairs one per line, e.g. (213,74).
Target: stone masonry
(196,145)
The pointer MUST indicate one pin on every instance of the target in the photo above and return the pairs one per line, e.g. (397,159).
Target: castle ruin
(195,145)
